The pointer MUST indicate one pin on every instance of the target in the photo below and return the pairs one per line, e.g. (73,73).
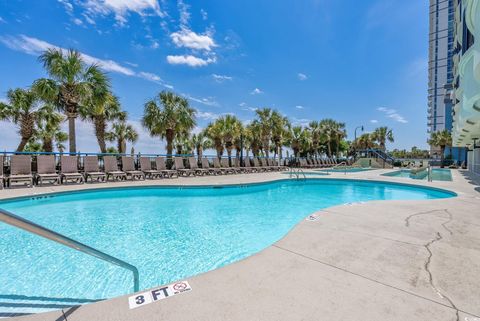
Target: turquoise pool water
(348,170)
(438,174)
(168,233)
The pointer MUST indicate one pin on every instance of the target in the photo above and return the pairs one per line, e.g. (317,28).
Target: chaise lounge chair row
(21,169)
(317,163)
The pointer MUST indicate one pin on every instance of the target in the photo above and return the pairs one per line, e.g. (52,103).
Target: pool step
(18,305)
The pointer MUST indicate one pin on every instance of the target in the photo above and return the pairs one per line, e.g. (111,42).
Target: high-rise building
(466,92)
(440,65)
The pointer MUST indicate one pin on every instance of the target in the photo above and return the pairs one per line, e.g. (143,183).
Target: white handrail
(39,230)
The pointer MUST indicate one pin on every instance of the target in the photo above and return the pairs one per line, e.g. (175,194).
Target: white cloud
(393,114)
(184,13)
(77,21)
(189,60)
(190,39)
(246,107)
(207,115)
(35,47)
(221,78)
(256,91)
(2,20)
(121,8)
(301,121)
(374,121)
(68,6)
(302,76)
(208,101)
(299,107)
(149,76)
(204,14)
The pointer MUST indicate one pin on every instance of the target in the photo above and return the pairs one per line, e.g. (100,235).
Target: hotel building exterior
(466,83)
(441,72)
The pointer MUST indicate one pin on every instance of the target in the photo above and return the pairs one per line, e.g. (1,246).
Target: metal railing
(39,230)
(344,164)
(294,171)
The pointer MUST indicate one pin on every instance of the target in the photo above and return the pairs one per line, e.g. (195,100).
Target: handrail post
(39,230)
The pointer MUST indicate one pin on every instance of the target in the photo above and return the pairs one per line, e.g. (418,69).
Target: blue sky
(360,62)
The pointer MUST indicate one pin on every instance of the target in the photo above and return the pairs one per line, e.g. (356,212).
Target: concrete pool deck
(381,260)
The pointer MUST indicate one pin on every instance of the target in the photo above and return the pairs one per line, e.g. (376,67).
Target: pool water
(438,174)
(167,233)
(348,170)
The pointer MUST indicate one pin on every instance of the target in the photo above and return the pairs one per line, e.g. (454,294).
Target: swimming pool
(168,233)
(438,174)
(348,169)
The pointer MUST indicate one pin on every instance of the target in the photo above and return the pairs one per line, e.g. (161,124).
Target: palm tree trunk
(329,149)
(229,154)
(100,127)
(71,132)
(47,145)
(22,144)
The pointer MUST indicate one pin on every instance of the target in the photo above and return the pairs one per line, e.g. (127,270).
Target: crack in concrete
(438,237)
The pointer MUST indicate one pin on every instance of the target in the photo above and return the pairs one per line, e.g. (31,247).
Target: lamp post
(355,141)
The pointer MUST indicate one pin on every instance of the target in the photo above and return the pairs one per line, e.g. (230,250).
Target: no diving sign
(157,294)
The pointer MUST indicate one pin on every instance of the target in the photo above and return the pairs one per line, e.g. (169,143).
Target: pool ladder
(297,172)
(39,230)
(344,164)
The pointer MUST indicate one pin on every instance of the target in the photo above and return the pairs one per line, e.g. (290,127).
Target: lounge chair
(2,178)
(111,168)
(20,170)
(224,162)
(128,166)
(46,170)
(247,166)
(161,167)
(146,167)
(92,169)
(69,170)
(241,169)
(181,170)
(264,164)
(194,166)
(211,170)
(224,170)
(273,164)
(257,166)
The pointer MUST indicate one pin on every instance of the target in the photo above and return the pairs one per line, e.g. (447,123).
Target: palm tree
(316,132)
(253,137)
(328,129)
(231,128)
(183,144)
(101,109)
(381,135)
(265,121)
(365,141)
(201,142)
(22,110)
(441,139)
(340,133)
(49,130)
(71,84)
(122,133)
(215,133)
(167,116)
(280,126)
(299,140)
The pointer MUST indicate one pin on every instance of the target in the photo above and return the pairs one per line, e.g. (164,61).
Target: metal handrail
(342,163)
(39,230)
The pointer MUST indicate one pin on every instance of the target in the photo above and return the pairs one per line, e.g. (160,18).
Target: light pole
(355,141)
(361,128)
